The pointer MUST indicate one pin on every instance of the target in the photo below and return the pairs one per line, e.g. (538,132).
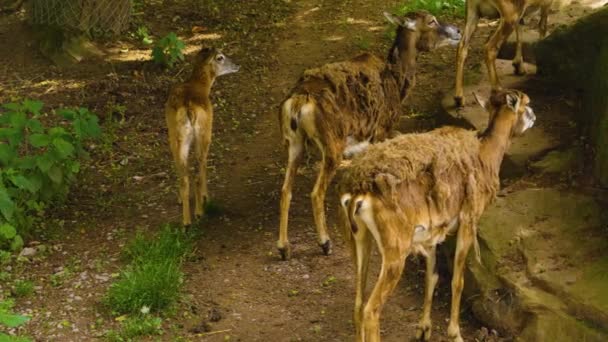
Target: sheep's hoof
(459,101)
(519,69)
(285,252)
(423,333)
(326,247)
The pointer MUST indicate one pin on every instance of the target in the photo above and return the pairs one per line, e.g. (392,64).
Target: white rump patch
(366,214)
(186,135)
(354,147)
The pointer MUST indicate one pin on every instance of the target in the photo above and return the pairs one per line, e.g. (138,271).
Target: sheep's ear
(483,103)
(512,102)
(393,19)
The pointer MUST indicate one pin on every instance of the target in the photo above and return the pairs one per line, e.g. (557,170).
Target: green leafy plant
(23,288)
(143,35)
(435,7)
(154,277)
(10,320)
(38,162)
(168,50)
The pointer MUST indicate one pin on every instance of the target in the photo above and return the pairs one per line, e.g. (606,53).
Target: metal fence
(83,15)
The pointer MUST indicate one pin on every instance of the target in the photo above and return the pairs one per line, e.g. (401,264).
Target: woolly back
(354,96)
(449,155)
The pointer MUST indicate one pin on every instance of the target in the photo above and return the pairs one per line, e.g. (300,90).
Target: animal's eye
(219,58)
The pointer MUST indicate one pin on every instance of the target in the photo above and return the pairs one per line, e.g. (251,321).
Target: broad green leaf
(75,167)
(57,131)
(55,174)
(12,106)
(17,243)
(26,162)
(36,181)
(67,114)
(7,231)
(12,321)
(39,140)
(45,162)
(8,338)
(23,183)
(18,120)
(33,106)
(35,126)
(64,148)
(6,132)
(7,153)
(7,206)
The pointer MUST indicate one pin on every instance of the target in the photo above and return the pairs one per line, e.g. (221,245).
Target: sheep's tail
(291,111)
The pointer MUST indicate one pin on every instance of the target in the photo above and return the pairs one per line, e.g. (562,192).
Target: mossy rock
(576,57)
(537,271)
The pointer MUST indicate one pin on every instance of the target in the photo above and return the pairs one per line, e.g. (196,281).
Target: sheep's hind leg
(423,330)
(328,169)
(464,239)
(295,145)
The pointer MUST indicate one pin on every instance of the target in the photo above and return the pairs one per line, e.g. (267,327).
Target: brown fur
(358,99)
(410,192)
(510,13)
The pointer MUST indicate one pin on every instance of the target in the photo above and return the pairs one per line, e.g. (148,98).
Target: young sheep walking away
(342,107)
(410,192)
(189,116)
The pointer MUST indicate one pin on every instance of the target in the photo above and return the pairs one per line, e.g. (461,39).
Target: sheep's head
(514,105)
(214,59)
(430,33)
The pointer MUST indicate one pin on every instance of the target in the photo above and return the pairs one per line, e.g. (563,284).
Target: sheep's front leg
(463,47)
(295,147)
(328,169)
(423,331)
(464,240)
(362,250)
(518,60)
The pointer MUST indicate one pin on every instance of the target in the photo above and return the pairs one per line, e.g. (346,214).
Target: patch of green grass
(141,325)
(153,278)
(23,288)
(154,283)
(170,244)
(363,42)
(435,7)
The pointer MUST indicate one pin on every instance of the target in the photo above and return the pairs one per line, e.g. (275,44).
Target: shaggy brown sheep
(343,107)
(410,192)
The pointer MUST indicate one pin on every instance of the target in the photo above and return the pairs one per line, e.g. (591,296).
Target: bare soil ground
(130,185)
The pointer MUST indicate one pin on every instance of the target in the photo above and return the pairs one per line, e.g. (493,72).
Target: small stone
(28,252)
(215,315)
